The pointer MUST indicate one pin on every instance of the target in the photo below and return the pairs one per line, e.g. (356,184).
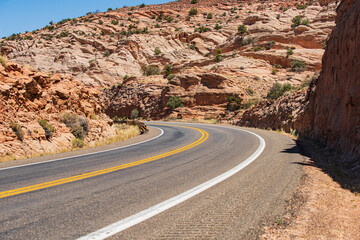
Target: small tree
(142,5)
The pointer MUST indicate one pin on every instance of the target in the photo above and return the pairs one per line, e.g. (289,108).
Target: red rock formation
(334,110)
(26,96)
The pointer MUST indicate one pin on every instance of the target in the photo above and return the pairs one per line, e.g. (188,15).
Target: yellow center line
(204,136)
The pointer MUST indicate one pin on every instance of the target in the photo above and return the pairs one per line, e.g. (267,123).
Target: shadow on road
(343,169)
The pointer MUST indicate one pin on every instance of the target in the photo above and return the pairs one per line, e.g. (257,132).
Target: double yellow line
(204,136)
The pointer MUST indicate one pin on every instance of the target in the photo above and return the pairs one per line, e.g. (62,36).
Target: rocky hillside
(32,104)
(247,45)
(330,113)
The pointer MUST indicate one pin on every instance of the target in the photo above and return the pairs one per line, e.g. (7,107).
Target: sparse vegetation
(149,70)
(234,103)
(193,12)
(174,102)
(3,61)
(298,66)
(134,114)
(297,21)
(48,128)
(194,1)
(79,125)
(242,29)
(157,51)
(77,143)
(289,52)
(17,130)
(170,77)
(278,90)
(167,69)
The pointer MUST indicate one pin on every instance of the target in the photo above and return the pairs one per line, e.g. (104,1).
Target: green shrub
(278,90)
(174,102)
(202,29)
(256,48)
(79,125)
(194,1)
(301,6)
(157,51)
(297,66)
(274,71)
(218,57)
(289,52)
(134,114)
(242,29)
(193,12)
(170,77)
(101,22)
(234,103)
(125,77)
(217,27)
(209,16)
(17,130)
(247,41)
(149,70)
(167,69)
(78,143)
(3,61)
(48,128)
(142,5)
(106,53)
(114,22)
(297,21)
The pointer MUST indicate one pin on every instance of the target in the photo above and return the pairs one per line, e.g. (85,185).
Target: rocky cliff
(334,110)
(330,114)
(31,105)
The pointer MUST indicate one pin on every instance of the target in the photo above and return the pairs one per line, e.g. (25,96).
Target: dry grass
(123,132)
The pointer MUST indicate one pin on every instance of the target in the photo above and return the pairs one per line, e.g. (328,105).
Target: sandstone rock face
(334,110)
(100,49)
(282,114)
(26,96)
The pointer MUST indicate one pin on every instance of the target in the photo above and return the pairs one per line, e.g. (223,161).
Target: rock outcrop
(27,96)
(333,115)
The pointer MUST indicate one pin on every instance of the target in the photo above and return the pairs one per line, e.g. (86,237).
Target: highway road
(89,196)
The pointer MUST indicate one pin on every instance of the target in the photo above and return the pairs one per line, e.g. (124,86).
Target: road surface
(76,196)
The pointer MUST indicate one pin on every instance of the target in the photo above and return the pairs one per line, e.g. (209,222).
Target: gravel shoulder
(326,205)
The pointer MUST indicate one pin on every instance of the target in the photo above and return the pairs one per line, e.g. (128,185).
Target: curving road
(76,196)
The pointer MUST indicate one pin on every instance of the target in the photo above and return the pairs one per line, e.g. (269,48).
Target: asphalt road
(233,209)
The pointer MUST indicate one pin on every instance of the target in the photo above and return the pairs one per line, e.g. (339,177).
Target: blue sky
(18,16)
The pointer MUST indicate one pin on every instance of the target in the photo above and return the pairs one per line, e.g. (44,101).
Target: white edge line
(128,222)
(87,154)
